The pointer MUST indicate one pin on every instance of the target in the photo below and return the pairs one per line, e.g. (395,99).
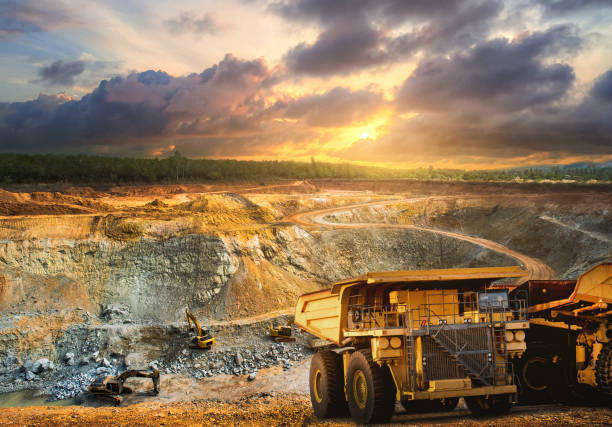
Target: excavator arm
(191,318)
(154,375)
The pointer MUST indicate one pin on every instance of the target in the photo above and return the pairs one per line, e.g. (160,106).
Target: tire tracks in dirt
(538,270)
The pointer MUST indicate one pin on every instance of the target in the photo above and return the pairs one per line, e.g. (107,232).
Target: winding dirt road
(536,267)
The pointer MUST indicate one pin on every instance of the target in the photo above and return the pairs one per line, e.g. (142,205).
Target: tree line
(87,169)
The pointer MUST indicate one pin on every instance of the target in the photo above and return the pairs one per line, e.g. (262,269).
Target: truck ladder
(442,336)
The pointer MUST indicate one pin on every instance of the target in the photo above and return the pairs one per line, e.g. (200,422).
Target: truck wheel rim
(536,383)
(317,386)
(360,389)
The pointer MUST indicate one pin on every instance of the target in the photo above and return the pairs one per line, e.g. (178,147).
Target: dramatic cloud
(189,22)
(354,39)
(339,50)
(562,7)
(31,16)
(602,90)
(149,104)
(500,99)
(338,107)
(457,81)
(497,76)
(62,73)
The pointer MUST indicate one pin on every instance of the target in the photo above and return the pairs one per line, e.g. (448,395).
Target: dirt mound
(157,204)
(60,198)
(11,209)
(7,196)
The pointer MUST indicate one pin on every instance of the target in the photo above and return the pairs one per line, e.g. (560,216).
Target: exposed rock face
(150,278)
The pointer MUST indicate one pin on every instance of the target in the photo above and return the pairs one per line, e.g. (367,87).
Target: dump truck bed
(592,291)
(321,313)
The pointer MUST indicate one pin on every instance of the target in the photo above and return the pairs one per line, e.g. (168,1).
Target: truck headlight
(383,343)
(509,336)
(519,335)
(396,342)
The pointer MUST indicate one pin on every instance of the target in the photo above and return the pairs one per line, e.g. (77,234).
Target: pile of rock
(32,369)
(237,362)
(76,379)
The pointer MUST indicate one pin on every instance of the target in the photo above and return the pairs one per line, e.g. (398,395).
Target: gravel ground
(281,410)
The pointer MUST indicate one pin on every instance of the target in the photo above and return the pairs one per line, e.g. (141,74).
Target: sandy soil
(287,410)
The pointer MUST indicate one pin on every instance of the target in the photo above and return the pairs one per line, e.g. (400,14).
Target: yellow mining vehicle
(203,338)
(281,333)
(569,344)
(111,388)
(428,336)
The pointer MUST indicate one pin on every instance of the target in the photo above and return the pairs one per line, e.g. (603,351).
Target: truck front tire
(327,384)
(370,389)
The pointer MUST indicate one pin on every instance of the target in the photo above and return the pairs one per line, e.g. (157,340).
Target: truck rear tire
(370,389)
(493,405)
(603,371)
(327,385)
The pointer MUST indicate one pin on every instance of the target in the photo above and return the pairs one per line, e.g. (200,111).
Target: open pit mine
(272,303)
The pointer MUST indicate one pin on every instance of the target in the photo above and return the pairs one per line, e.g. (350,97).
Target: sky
(472,84)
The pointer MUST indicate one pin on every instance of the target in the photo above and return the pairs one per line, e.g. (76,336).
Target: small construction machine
(203,338)
(418,337)
(111,388)
(281,333)
(569,343)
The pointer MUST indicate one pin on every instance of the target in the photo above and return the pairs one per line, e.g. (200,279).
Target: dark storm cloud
(391,11)
(337,107)
(562,7)
(61,73)
(356,34)
(144,105)
(339,50)
(500,99)
(189,22)
(602,89)
(496,76)
(31,16)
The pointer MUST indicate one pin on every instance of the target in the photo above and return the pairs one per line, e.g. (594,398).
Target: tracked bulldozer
(203,338)
(111,388)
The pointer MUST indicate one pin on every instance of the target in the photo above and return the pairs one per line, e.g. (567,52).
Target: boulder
(9,361)
(69,359)
(27,366)
(115,311)
(42,365)
(29,375)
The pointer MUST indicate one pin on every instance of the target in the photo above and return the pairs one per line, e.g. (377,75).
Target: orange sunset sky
(456,83)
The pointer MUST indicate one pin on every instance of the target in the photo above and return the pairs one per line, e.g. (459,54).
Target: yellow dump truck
(569,343)
(430,335)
